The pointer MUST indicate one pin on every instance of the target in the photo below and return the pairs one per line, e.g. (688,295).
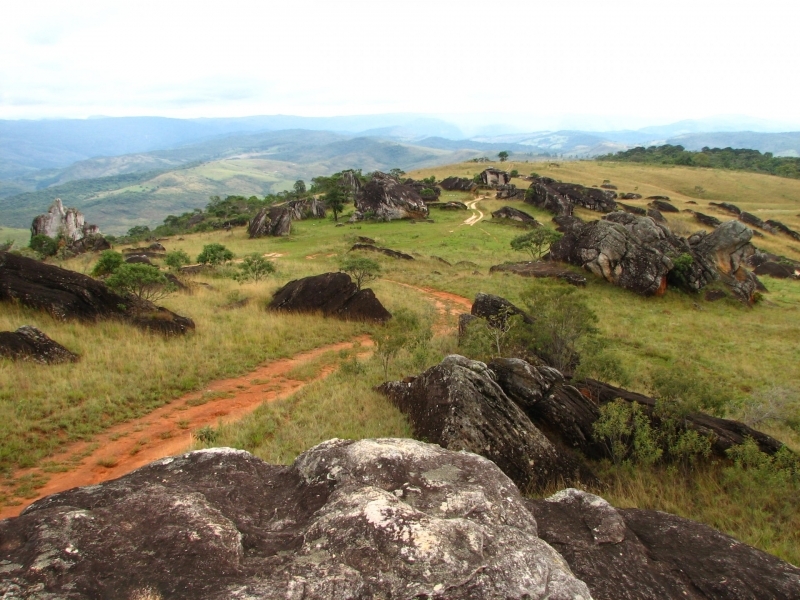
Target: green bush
(108,262)
(43,245)
(254,267)
(361,269)
(214,254)
(536,242)
(143,281)
(176,259)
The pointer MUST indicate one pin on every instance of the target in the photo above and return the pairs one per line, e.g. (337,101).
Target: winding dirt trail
(477,214)
(168,430)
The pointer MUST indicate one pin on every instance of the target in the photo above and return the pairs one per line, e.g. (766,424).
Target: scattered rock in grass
(138,259)
(540,269)
(777,270)
(495,308)
(509,192)
(66,295)
(778,226)
(441,260)
(714,295)
(634,210)
(392,518)
(28,343)
(630,196)
(512,214)
(727,207)
(365,240)
(706,220)
(333,295)
(663,206)
(386,251)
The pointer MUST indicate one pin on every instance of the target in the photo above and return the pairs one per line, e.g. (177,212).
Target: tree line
(737,159)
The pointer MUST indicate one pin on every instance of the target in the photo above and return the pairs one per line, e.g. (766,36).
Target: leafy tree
(43,245)
(176,259)
(562,323)
(514,173)
(299,187)
(214,254)
(536,242)
(254,267)
(108,262)
(427,194)
(139,232)
(503,156)
(397,173)
(430,180)
(334,200)
(361,269)
(143,281)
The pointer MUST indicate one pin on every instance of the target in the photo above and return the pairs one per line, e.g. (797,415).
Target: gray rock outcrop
(58,222)
(381,518)
(459,405)
(458,184)
(275,221)
(495,177)
(560,198)
(384,198)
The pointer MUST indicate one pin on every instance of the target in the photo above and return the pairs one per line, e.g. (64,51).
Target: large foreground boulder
(633,554)
(66,295)
(28,343)
(384,198)
(384,518)
(333,295)
(459,405)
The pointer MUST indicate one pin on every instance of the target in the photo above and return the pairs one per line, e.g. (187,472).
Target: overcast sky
(632,63)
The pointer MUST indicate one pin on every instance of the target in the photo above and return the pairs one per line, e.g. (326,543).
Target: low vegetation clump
(361,269)
(254,267)
(536,243)
(214,254)
(143,281)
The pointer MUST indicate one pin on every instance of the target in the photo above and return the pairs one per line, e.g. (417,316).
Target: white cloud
(622,60)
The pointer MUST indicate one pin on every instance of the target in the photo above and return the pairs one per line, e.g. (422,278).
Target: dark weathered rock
(386,251)
(280,221)
(726,249)
(138,259)
(28,343)
(663,205)
(386,199)
(706,220)
(509,192)
(634,210)
(656,215)
(633,554)
(608,186)
(630,196)
(361,239)
(306,208)
(612,251)
(333,295)
(559,198)
(93,242)
(567,222)
(494,308)
(494,177)
(384,518)
(441,260)
(464,321)
(458,405)
(540,269)
(433,193)
(69,295)
(458,184)
(778,226)
(777,270)
(259,224)
(449,205)
(507,212)
(714,295)
(752,220)
(727,207)
(657,198)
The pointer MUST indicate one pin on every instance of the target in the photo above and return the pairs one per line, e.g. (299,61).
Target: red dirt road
(167,430)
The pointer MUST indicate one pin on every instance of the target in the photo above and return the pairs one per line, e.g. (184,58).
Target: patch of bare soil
(168,430)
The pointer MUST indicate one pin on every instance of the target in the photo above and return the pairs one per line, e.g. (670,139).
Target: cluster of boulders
(458,184)
(637,253)
(70,226)
(67,295)
(384,198)
(495,177)
(509,192)
(429,192)
(332,295)
(561,198)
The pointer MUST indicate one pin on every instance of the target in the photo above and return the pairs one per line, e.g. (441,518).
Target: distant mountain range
(101,161)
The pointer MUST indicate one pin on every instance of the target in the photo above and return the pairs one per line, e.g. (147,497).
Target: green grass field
(123,373)
(20,237)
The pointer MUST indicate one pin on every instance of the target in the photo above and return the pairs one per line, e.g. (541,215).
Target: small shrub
(536,242)
(361,269)
(108,262)
(214,254)
(176,259)
(514,173)
(43,245)
(143,281)
(681,271)
(206,435)
(254,268)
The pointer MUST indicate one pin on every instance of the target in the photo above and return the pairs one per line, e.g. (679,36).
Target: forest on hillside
(738,159)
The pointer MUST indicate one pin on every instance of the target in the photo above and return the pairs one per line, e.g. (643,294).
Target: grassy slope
(742,350)
(20,237)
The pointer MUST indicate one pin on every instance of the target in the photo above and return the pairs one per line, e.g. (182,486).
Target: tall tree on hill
(334,200)
(299,187)
(503,156)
